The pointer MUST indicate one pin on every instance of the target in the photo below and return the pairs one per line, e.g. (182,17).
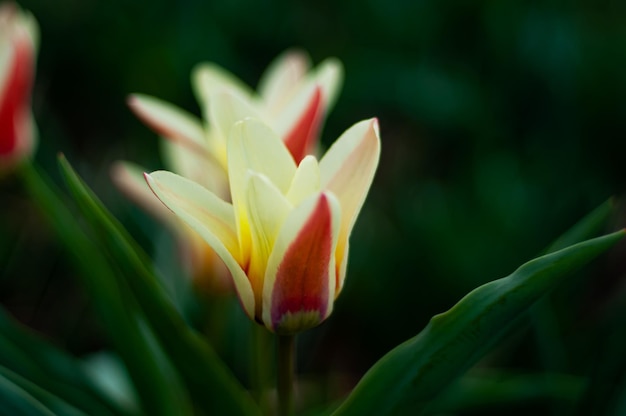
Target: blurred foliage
(502,124)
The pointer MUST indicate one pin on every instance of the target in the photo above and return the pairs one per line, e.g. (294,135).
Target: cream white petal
(267,209)
(208,78)
(226,110)
(169,121)
(210,217)
(6,59)
(200,168)
(128,177)
(347,169)
(306,181)
(254,146)
(281,77)
(15,22)
(329,76)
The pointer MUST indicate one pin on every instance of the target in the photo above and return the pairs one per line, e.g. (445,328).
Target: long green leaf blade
(14,400)
(23,353)
(548,333)
(52,402)
(412,374)
(207,378)
(115,307)
(492,390)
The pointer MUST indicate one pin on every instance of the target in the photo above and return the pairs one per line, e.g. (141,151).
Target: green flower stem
(260,366)
(286,370)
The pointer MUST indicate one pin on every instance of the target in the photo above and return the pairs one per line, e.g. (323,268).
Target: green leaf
(23,353)
(606,391)
(14,400)
(119,314)
(548,333)
(411,375)
(208,380)
(485,391)
(52,402)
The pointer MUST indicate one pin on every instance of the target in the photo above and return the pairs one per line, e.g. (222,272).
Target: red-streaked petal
(16,126)
(210,217)
(129,178)
(169,121)
(329,76)
(298,291)
(347,169)
(281,78)
(303,135)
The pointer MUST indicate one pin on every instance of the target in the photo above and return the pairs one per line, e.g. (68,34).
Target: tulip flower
(18,45)
(285,235)
(290,94)
(291,99)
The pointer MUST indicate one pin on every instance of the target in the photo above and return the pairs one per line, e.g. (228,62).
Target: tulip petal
(226,110)
(267,209)
(17,54)
(329,77)
(300,122)
(210,217)
(207,171)
(281,78)
(208,78)
(169,121)
(347,169)
(254,146)
(299,286)
(129,178)
(306,181)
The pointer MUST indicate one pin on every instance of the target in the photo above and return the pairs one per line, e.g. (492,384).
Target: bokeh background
(502,123)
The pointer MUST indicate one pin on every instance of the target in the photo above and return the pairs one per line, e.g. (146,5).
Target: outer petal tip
(376,125)
(132,101)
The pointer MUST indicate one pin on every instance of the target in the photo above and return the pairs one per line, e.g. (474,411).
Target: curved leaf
(412,374)
(113,302)
(49,400)
(39,362)
(14,400)
(208,380)
(492,390)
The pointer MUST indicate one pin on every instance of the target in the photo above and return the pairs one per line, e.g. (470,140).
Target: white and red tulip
(292,98)
(18,49)
(284,237)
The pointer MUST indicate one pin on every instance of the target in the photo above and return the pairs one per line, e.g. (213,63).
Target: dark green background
(502,123)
